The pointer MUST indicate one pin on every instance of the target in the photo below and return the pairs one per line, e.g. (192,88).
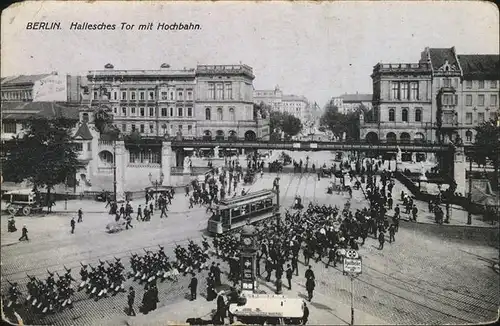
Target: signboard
(313,145)
(50,88)
(352,254)
(352,265)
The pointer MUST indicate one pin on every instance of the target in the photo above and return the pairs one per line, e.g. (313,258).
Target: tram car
(233,213)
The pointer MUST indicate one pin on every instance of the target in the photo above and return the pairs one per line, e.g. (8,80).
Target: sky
(318,50)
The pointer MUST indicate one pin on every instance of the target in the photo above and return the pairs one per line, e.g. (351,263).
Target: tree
(45,155)
(339,123)
(284,122)
(488,143)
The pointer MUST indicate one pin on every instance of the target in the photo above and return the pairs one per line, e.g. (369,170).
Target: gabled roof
(480,66)
(83,132)
(357,97)
(439,56)
(46,110)
(24,79)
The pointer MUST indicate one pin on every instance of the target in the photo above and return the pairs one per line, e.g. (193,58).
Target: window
(9,127)
(151,96)
(179,112)
(189,95)
(211,91)
(171,112)
(395,91)
(481,84)
(115,110)
(78,147)
(89,147)
(418,115)
(493,100)
(468,135)
(179,96)
(95,95)
(171,96)
(392,115)
(141,110)
(124,127)
(468,100)
(404,91)
(133,127)
(229,91)
(207,114)
(180,128)
(132,95)
(151,112)
(493,84)
(124,95)
(404,115)
(468,84)
(231,114)
(142,129)
(219,114)
(164,96)
(190,129)
(220,91)
(141,96)
(414,91)
(124,111)
(447,82)
(163,112)
(115,95)
(151,129)
(480,100)
(190,112)
(447,99)
(493,116)
(132,111)
(480,117)
(468,118)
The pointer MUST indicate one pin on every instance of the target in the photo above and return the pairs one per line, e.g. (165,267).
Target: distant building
(349,103)
(34,88)
(295,105)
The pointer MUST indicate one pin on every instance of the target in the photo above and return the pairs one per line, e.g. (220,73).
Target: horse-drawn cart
(23,202)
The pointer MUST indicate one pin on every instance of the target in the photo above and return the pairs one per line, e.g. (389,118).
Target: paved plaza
(418,279)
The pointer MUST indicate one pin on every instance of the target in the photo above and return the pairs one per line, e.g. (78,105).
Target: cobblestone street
(419,279)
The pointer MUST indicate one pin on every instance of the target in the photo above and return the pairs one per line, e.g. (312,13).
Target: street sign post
(353,267)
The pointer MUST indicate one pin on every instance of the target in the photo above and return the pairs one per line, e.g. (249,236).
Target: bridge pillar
(166,161)
(179,157)
(459,168)
(121,164)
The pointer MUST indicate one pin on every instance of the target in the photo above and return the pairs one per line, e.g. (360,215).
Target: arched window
(219,114)
(208,114)
(231,114)
(404,115)
(391,137)
(468,135)
(392,115)
(405,137)
(418,115)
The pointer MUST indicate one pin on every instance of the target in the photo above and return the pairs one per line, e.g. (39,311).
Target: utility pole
(469,215)
(114,169)
(352,302)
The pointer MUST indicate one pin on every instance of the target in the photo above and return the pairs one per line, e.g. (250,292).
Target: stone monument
(216,152)
(422,179)
(187,168)
(399,156)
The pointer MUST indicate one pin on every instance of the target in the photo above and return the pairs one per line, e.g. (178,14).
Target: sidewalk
(323,309)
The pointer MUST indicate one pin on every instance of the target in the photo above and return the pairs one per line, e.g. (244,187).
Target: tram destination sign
(352,265)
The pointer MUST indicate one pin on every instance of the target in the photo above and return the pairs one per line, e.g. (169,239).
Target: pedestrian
(310,273)
(305,317)
(131,299)
(217,274)
(151,207)
(192,286)
(24,235)
(122,211)
(72,223)
(289,274)
(163,211)
(332,255)
(139,213)
(414,212)
(381,240)
(307,255)
(269,269)
(129,223)
(80,215)
(310,284)
(392,231)
(295,264)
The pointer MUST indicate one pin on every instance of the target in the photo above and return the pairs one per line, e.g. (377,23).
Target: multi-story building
(295,105)
(349,103)
(224,103)
(35,88)
(443,96)
(151,102)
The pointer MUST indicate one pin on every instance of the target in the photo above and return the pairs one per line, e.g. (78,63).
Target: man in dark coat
(221,309)
(310,273)
(289,274)
(381,240)
(131,299)
(193,286)
(24,235)
(310,284)
(80,215)
(139,213)
(217,274)
(72,223)
(305,317)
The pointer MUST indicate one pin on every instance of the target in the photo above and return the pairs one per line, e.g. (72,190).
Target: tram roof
(247,198)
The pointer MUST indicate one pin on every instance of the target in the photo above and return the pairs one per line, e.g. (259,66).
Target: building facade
(224,103)
(295,105)
(442,97)
(349,103)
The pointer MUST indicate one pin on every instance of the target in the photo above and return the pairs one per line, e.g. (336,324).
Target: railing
(105,142)
(195,170)
(105,169)
(143,165)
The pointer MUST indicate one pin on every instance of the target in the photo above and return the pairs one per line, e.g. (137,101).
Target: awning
(188,149)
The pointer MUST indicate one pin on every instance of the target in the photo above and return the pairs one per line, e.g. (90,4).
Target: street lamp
(156,183)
